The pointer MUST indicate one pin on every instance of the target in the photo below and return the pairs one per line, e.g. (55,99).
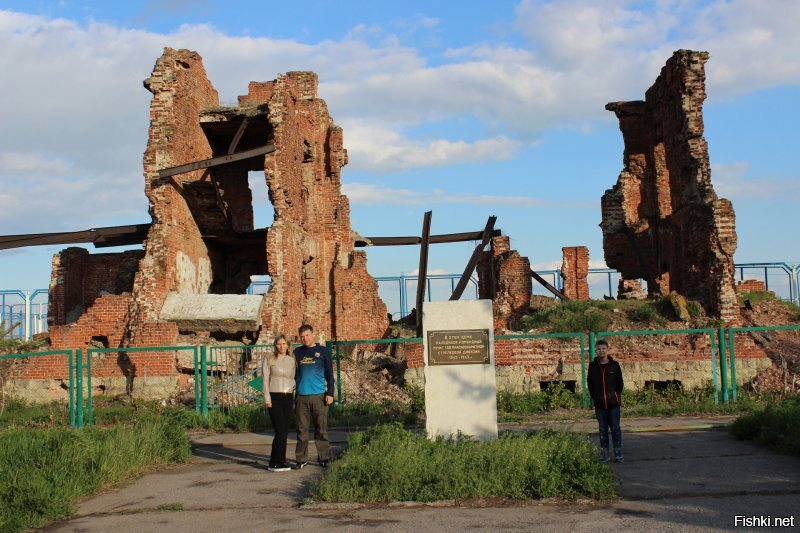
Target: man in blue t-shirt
(314,377)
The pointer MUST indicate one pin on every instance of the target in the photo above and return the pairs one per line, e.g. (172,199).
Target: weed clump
(772,425)
(388,463)
(44,472)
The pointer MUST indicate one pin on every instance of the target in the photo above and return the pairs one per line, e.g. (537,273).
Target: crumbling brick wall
(78,278)
(504,276)
(662,221)
(317,278)
(202,239)
(574,271)
(755,285)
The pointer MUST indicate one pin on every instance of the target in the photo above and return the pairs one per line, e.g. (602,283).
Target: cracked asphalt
(683,474)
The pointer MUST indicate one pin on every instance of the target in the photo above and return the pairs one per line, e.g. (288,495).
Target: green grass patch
(388,463)
(774,425)
(43,472)
(571,316)
(176,506)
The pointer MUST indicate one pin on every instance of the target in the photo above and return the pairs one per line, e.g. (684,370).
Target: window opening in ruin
(663,385)
(263,212)
(222,200)
(99,341)
(570,385)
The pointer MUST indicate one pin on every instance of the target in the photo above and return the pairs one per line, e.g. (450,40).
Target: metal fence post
(714,350)
(196,380)
(204,382)
(591,345)
(723,370)
(79,388)
(584,392)
(733,364)
(71,369)
(89,410)
(338,370)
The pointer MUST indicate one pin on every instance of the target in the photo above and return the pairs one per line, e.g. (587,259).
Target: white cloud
(73,104)
(375,148)
(368,194)
(731,181)
(430,272)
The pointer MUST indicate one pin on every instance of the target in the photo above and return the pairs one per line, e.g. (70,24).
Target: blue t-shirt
(314,370)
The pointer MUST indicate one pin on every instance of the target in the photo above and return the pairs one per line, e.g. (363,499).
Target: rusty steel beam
(133,234)
(549,287)
(238,136)
(423,268)
(217,161)
(473,261)
(434,239)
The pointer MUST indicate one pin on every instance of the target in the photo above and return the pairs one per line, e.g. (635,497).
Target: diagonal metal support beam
(238,136)
(217,161)
(422,275)
(549,287)
(473,261)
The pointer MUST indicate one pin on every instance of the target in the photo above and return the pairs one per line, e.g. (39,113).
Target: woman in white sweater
(277,371)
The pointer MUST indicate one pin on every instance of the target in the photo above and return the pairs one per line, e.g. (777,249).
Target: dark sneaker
(604,456)
(324,464)
(618,456)
(286,465)
(279,467)
(299,464)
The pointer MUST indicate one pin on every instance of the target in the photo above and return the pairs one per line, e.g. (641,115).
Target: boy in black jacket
(605,386)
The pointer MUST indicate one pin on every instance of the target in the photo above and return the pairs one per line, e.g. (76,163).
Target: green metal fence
(582,344)
(731,332)
(74,367)
(716,340)
(223,375)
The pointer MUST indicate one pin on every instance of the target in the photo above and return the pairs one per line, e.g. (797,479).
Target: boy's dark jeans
(308,410)
(609,418)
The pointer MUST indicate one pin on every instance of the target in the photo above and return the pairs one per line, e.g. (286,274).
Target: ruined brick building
(662,221)
(202,247)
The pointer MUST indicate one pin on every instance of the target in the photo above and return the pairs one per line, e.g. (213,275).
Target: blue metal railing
(28,311)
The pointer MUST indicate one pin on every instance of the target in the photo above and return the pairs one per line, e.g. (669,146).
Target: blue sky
(465,108)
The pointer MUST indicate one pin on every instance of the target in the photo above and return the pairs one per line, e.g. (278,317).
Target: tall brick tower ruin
(202,247)
(662,221)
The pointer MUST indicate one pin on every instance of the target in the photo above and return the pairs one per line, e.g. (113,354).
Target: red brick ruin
(504,276)
(202,243)
(574,271)
(662,221)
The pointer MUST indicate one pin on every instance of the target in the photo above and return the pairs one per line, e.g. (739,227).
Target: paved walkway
(682,474)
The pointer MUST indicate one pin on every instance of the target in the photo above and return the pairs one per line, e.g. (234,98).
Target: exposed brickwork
(316,276)
(521,364)
(78,278)
(662,221)
(751,285)
(504,276)
(630,289)
(202,239)
(574,270)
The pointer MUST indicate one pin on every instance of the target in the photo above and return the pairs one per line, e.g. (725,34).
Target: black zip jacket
(605,383)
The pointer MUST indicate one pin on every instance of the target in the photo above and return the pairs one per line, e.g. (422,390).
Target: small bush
(389,463)
(775,426)
(646,312)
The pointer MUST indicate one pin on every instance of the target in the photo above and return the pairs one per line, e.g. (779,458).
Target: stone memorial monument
(460,386)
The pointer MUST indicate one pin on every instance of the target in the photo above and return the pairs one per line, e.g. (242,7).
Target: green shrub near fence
(43,472)
(774,425)
(388,463)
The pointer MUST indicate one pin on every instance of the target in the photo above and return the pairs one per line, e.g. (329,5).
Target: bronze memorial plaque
(458,347)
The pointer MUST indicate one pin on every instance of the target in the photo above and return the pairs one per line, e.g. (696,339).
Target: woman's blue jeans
(609,418)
